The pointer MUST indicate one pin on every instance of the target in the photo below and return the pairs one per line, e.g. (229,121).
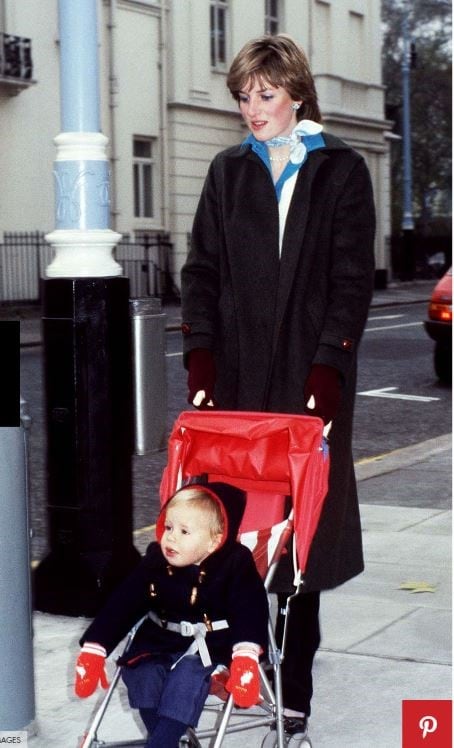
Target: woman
(275,295)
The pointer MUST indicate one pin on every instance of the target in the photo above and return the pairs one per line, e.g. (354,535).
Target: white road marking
(390,393)
(386,316)
(178,353)
(392,327)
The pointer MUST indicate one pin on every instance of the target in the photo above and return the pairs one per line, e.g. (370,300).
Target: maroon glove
(90,670)
(201,376)
(324,385)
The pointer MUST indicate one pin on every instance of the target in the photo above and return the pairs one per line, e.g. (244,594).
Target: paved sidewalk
(381,644)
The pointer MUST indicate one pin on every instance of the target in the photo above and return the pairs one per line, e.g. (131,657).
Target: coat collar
(332,143)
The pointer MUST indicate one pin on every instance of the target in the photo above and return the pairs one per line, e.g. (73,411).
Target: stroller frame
(271,706)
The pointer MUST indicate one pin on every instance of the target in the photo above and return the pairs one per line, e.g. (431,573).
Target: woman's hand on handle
(201,378)
(322,392)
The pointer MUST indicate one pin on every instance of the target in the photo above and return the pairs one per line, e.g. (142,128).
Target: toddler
(205,606)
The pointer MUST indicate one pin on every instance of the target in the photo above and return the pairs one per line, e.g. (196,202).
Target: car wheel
(443,363)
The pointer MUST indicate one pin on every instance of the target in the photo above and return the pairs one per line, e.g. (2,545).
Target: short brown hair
(279,61)
(197,497)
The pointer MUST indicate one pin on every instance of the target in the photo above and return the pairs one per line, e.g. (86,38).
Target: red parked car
(439,326)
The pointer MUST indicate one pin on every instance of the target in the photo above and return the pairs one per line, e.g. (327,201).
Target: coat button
(185,328)
(347,344)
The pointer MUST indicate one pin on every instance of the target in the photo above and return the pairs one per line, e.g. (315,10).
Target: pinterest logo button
(427,724)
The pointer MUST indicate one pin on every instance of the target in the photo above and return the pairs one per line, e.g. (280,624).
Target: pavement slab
(358,703)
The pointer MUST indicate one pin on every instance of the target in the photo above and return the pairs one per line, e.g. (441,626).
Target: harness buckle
(186,628)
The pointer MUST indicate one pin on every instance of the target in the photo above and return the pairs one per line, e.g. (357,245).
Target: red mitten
(201,376)
(90,670)
(219,678)
(324,385)
(244,681)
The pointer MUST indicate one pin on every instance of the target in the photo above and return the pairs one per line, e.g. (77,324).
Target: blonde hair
(200,499)
(279,61)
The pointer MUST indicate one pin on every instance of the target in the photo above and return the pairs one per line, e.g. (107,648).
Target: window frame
(141,183)
(219,37)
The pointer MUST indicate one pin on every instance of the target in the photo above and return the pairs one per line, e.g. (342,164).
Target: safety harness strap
(197,630)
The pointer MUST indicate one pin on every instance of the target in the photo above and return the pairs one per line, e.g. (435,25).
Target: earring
(295,106)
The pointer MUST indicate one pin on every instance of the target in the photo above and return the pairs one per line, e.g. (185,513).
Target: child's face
(187,537)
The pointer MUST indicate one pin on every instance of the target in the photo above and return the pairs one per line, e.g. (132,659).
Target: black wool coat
(269,318)
(227,584)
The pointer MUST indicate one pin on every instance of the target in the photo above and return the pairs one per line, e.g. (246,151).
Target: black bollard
(88,383)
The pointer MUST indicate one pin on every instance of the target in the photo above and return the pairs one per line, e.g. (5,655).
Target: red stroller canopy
(267,453)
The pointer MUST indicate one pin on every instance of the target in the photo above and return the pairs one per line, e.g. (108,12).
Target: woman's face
(267,110)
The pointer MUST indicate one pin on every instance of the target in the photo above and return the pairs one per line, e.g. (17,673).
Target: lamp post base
(88,381)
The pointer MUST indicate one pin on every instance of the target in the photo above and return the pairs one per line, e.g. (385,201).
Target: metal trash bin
(17,694)
(149,375)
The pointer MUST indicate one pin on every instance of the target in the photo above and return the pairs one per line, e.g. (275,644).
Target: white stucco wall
(135,107)
(28,123)
(164,89)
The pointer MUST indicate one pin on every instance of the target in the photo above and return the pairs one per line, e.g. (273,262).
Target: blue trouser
(178,693)
(162,731)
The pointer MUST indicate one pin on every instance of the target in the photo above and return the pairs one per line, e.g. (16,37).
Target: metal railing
(24,257)
(15,57)
(146,263)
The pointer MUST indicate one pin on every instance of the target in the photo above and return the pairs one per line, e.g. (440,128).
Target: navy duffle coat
(228,587)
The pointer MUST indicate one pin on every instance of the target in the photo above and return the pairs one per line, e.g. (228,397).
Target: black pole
(88,380)
(408,260)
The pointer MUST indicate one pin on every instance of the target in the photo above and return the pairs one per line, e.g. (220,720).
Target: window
(218,33)
(271,16)
(357,48)
(143,163)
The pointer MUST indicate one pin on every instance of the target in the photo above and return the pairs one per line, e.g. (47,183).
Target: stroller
(271,457)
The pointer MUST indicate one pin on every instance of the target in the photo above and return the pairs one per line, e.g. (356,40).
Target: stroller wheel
(189,740)
(270,740)
(296,742)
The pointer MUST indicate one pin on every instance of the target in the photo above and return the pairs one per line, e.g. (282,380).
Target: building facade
(165,106)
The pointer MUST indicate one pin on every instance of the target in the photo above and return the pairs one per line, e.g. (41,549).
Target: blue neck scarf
(305,137)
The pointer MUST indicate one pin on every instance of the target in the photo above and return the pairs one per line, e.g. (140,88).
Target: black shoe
(296,726)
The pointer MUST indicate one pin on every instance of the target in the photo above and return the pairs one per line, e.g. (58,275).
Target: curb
(389,462)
